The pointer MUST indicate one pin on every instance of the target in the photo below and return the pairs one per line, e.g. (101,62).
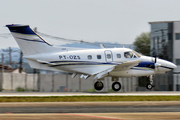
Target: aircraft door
(108,56)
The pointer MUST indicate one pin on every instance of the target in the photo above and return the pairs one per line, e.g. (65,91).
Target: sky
(115,21)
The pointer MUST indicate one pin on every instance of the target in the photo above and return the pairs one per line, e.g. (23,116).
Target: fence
(64,82)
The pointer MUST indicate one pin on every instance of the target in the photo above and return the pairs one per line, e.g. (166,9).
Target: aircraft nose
(172,65)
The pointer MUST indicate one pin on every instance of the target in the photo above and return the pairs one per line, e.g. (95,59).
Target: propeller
(155,59)
(156,65)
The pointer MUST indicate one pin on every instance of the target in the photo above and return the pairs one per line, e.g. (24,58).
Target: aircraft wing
(126,65)
(122,66)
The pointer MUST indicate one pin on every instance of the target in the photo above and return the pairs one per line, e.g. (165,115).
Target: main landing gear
(116,86)
(98,85)
(150,85)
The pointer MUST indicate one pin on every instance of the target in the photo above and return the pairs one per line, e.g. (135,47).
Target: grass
(89,98)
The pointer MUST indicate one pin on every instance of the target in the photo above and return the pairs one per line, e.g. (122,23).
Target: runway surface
(89,107)
(91,110)
(94,116)
(41,94)
(143,110)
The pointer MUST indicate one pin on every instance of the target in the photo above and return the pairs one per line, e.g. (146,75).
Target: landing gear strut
(150,85)
(98,85)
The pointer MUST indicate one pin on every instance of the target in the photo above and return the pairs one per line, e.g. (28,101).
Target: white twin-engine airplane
(114,62)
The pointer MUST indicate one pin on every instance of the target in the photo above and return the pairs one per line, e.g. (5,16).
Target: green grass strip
(89,98)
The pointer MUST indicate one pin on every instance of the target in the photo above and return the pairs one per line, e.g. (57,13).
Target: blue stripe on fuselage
(141,65)
(167,67)
(87,62)
(145,64)
(80,63)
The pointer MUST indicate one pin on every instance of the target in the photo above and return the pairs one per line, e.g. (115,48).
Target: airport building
(165,44)
(165,41)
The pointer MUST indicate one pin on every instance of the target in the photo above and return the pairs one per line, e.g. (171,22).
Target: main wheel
(98,85)
(116,86)
(149,86)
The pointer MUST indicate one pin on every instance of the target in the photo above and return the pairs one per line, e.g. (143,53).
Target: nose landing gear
(150,85)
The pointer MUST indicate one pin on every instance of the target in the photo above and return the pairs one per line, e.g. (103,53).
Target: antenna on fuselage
(102,46)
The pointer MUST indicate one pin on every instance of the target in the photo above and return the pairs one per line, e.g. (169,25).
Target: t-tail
(32,45)
(29,42)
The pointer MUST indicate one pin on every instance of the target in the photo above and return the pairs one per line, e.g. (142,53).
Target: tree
(142,43)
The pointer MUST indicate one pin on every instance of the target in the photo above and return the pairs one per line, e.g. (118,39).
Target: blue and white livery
(114,62)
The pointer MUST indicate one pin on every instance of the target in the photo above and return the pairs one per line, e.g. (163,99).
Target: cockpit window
(137,54)
(128,54)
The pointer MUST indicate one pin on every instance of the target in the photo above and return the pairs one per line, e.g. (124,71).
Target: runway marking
(39,94)
(77,116)
(92,116)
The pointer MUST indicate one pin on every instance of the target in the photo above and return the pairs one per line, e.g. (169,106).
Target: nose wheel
(98,85)
(149,86)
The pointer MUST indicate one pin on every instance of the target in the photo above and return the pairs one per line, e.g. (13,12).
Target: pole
(39,81)
(66,82)
(2,71)
(34,79)
(52,82)
(10,59)
(20,62)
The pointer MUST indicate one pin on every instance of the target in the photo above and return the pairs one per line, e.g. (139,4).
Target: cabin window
(118,55)
(128,54)
(135,56)
(108,56)
(89,57)
(98,56)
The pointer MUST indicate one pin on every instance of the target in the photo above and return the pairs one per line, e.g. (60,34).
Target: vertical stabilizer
(29,42)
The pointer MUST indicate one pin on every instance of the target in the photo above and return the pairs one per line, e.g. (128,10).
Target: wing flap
(103,73)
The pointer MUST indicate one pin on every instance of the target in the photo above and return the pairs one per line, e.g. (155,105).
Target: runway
(139,110)
(90,107)
(43,94)
(91,110)
(94,116)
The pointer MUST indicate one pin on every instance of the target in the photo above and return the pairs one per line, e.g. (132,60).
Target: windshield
(128,54)
(131,54)
(137,54)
